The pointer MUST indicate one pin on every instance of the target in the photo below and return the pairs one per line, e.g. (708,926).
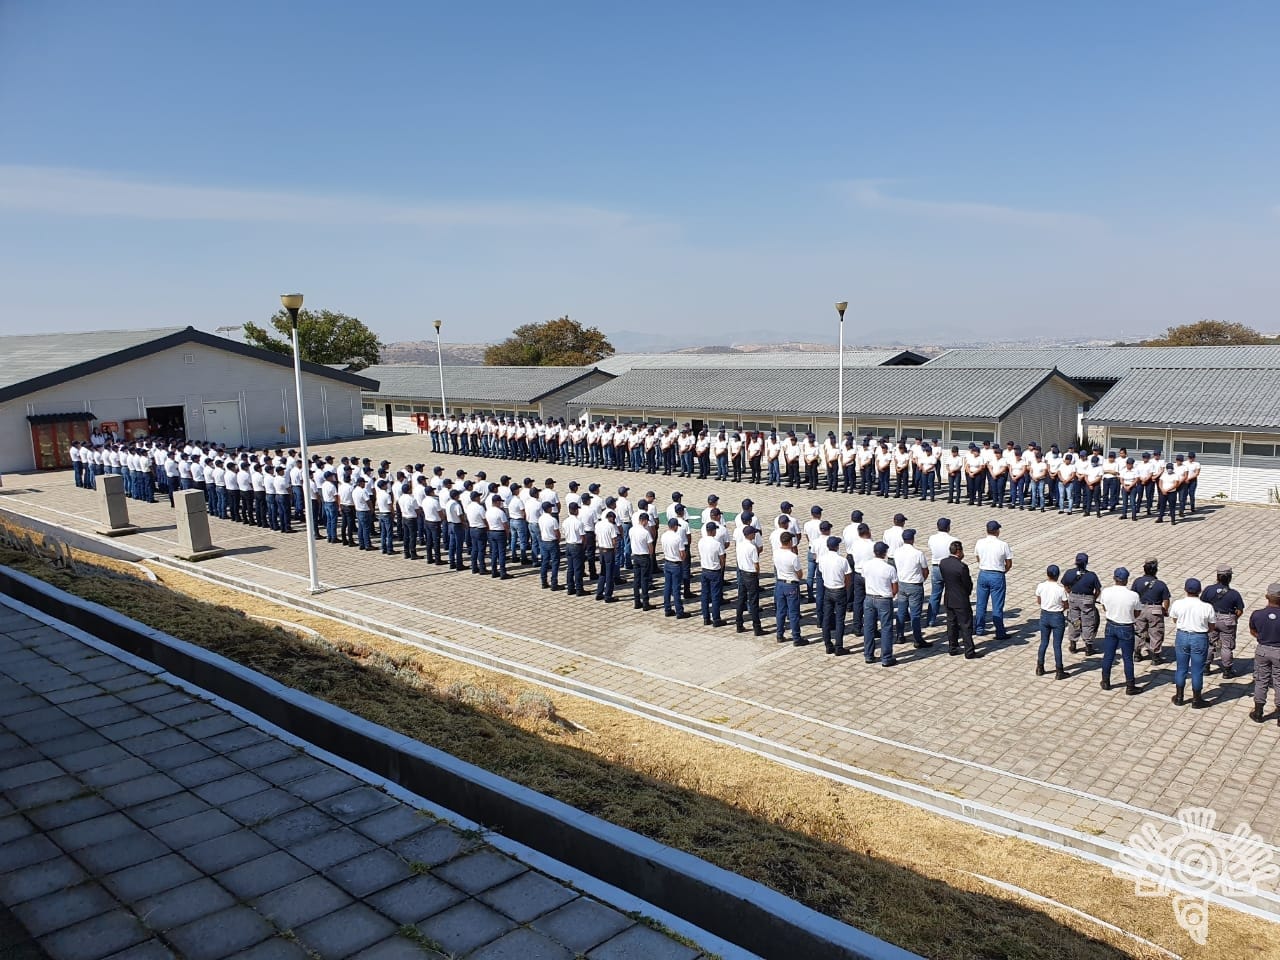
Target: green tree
(557,343)
(1207,333)
(323,337)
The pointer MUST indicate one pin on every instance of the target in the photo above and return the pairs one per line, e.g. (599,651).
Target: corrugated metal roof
(868,391)
(487,384)
(1193,397)
(1112,363)
(31,355)
(622,362)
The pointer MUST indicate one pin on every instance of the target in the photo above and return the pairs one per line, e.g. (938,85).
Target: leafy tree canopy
(323,337)
(557,343)
(1208,333)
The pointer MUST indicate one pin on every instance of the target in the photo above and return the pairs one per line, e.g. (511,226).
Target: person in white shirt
(1191,645)
(812,535)
(995,560)
(1187,492)
(912,568)
(711,553)
(642,559)
(550,535)
(1122,605)
(748,560)
(939,545)
(1052,598)
(893,535)
(408,505)
(837,577)
(882,588)
(859,551)
(786,589)
(498,527)
(607,534)
(673,555)
(360,498)
(476,531)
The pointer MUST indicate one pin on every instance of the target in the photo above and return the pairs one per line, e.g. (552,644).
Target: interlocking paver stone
(356,804)
(227,851)
(528,896)
(62,908)
(27,883)
(220,935)
(232,788)
(103,858)
(416,899)
(391,825)
(195,828)
(432,846)
(173,807)
(301,902)
(69,811)
(480,871)
(397,948)
(97,937)
(462,928)
(522,944)
(363,875)
(348,931)
(151,950)
(260,807)
(277,948)
(642,943)
(582,924)
(174,907)
(256,877)
(146,879)
(324,784)
(327,849)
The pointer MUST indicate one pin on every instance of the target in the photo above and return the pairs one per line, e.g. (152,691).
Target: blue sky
(715,172)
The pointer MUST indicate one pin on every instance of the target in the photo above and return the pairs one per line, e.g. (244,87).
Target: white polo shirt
(834,569)
(710,553)
(641,540)
(549,526)
(672,542)
(1120,602)
(1191,614)
(880,577)
(787,566)
(910,564)
(992,553)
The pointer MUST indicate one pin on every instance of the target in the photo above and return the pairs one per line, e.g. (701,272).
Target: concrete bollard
(194,541)
(112,506)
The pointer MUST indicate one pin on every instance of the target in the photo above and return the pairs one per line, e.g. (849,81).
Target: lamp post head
(841,307)
(436,324)
(291,301)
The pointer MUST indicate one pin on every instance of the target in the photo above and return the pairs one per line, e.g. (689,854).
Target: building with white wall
(55,388)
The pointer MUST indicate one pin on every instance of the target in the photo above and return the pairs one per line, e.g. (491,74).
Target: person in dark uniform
(1083,588)
(1228,606)
(1148,626)
(1264,625)
(957,597)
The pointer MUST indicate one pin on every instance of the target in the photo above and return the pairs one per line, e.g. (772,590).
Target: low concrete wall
(730,906)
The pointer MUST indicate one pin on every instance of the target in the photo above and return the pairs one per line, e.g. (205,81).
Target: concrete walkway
(139,821)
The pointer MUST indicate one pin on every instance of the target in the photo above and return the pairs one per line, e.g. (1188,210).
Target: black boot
(1198,702)
(1256,713)
(1105,684)
(1039,668)
(1178,699)
(1130,688)
(1059,674)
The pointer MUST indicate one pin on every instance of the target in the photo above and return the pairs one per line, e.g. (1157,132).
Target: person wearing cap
(1111,482)
(1191,643)
(831,461)
(606,531)
(755,455)
(893,534)
(711,553)
(957,596)
(1068,484)
(361,499)
(877,615)
(1147,485)
(1228,606)
(939,549)
(686,531)
(1039,474)
(813,535)
(1121,605)
(673,554)
(572,546)
(912,569)
(748,560)
(1264,626)
(833,567)
(1091,487)
(848,466)
(1187,492)
(549,533)
(866,463)
(1083,587)
(975,475)
(927,464)
(625,512)
(1168,483)
(995,560)
(1052,598)
(476,530)
(1148,626)
(859,548)
(642,560)
(1130,489)
(789,572)
(589,513)
(498,528)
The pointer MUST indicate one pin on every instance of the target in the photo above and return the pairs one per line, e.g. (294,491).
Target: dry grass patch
(897,872)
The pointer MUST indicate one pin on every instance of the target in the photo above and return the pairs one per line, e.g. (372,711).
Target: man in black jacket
(957,597)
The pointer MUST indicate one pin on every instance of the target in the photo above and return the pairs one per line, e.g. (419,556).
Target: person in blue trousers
(995,560)
(1191,644)
(1052,597)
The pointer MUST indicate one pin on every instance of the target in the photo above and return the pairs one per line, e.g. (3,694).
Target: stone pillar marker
(194,541)
(113,507)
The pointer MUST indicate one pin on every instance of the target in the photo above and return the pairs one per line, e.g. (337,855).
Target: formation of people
(1014,477)
(882,589)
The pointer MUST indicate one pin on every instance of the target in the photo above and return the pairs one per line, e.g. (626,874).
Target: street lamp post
(444,407)
(841,307)
(292,302)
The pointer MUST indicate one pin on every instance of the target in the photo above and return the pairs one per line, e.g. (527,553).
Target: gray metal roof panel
(622,362)
(30,355)
(869,391)
(1193,397)
(486,384)
(1112,363)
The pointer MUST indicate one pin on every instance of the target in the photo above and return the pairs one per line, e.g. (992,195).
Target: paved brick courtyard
(138,821)
(1064,752)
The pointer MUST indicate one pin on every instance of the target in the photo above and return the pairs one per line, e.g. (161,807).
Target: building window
(1132,443)
(402,408)
(368,407)
(188,358)
(1201,447)
(1259,449)
(972,436)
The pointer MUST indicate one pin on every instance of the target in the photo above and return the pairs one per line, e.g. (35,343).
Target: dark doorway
(696,426)
(167,422)
(391,426)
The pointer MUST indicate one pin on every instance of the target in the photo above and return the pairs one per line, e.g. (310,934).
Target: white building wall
(191,375)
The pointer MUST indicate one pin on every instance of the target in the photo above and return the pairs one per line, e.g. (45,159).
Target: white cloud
(868,193)
(83,193)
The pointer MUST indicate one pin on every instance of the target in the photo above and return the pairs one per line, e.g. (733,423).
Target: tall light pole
(444,407)
(841,307)
(292,302)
